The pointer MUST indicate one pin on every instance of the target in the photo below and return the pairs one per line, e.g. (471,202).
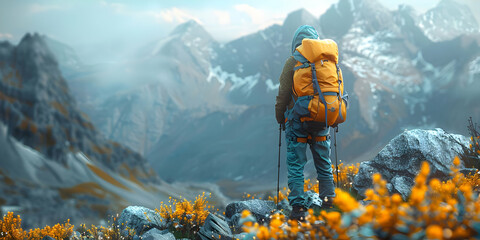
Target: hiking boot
(298,213)
(327,203)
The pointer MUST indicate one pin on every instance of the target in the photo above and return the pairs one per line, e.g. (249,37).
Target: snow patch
(271,86)
(352,6)
(246,84)
(474,70)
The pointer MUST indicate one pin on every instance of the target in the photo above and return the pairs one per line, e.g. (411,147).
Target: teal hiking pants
(297,158)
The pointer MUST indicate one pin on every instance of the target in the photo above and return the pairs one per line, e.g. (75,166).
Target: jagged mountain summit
(68,60)
(39,110)
(448,20)
(174,72)
(55,164)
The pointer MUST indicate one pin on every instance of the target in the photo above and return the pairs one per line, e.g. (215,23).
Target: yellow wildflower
(263,233)
(376,177)
(425,169)
(434,232)
(456,161)
(345,201)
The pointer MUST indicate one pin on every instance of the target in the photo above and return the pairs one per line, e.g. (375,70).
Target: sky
(90,25)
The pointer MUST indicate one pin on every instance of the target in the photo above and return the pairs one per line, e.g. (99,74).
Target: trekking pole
(278,171)
(336,156)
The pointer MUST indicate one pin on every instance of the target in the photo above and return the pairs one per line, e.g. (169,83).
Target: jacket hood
(304,31)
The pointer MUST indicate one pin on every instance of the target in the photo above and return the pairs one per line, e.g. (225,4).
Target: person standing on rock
(310,80)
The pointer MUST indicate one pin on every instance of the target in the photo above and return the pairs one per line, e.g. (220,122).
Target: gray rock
(155,234)
(402,185)
(140,219)
(215,228)
(240,236)
(260,209)
(399,162)
(76,235)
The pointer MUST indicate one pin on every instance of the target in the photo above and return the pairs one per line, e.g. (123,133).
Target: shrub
(346,173)
(472,155)
(111,231)
(183,217)
(10,228)
(58,231)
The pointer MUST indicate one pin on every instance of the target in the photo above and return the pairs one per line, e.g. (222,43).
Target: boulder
(140,219)
(399,162)
(155,234)
(215,228)
(260,209)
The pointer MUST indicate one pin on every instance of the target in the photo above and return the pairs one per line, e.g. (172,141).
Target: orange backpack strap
(310,140)
(340,93)
(318,90)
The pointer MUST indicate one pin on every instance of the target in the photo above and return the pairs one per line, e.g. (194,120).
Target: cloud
(6,35)
(223,17)
(177,15)
(38,8)
(256,15)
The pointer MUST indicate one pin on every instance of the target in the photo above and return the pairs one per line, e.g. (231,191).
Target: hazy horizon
(106,30)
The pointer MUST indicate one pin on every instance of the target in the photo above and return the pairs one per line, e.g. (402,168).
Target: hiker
(309,123)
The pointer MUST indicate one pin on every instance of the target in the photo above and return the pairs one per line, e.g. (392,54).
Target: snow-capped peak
(449,19)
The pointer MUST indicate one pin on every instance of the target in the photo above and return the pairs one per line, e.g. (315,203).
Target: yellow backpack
(318,83)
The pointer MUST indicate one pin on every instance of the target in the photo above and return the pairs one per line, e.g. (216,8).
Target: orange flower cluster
(475,144)
(58,231)
(274,230)
(473,180)
(279,228)
(310,185)
(345,178)
(345,175)
(281,194)
(434,210)
(111,231)
(185,216)
(10,228)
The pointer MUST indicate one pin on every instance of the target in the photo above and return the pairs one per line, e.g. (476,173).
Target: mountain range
(207,105)
(55,164)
